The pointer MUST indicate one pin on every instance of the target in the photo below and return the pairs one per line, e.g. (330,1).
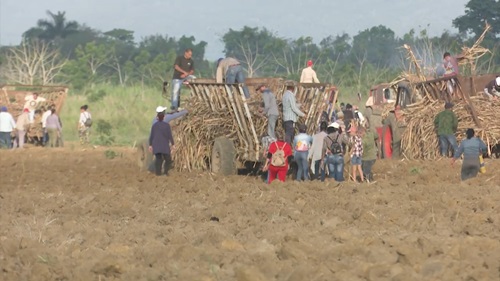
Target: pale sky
(208,20)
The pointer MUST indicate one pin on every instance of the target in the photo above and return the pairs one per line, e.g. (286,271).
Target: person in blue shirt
(168,116)
(471,148)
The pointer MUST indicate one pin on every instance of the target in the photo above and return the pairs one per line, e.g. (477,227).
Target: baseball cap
(334,125)
(160,109)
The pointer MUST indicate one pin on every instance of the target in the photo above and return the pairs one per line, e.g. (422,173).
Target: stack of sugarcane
(420,139)
(195,134)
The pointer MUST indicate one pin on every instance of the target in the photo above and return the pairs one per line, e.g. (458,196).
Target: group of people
(357,132)
(446,124)
(19,126)
(352,133)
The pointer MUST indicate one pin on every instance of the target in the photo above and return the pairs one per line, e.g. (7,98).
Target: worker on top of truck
(32,102)
(450,66)
(308,74)
(229,71)
(492,89)
(183,70)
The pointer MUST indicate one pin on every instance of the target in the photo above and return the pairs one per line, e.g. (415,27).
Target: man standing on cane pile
(270,109)
(308,74)
(446,124)
(229,71)
(183,70)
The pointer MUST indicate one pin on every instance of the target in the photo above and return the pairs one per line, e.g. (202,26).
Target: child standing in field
(357,152)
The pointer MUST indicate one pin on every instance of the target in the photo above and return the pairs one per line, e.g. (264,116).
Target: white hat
(160,109)
(334,125)
(369,102)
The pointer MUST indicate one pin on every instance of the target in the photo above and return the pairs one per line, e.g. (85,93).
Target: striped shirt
(290,108)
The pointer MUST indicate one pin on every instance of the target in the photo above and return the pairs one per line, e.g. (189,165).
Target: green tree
(53,29)
(126,36)
(376,45)
(251,46)
(477,12)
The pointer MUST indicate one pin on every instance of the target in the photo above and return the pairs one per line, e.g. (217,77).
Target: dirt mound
(70,214)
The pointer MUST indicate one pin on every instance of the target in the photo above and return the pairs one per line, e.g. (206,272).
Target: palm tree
(55,28)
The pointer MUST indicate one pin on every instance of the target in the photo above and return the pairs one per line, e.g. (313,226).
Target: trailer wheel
(223,157)
(144,157)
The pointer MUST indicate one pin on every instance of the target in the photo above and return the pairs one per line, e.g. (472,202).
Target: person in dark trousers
(471,148)
(270,109)
(291,113)
(446,124)
(161,144)
(369,153)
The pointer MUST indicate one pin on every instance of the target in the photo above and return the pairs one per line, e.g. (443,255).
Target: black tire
(223,157)
(144,157)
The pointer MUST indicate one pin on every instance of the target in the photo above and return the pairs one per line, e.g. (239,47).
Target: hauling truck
(13,97)
(223,131)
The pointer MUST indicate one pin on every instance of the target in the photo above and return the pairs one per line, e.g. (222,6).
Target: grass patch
(122,114)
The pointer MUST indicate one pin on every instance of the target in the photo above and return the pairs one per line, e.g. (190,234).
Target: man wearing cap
(492,89)
(291,112)
(270,109)
(229,71)
(308,74)
(446,124)
(168,116)
(161,144)
(7,125)
(183,69)
(334,160)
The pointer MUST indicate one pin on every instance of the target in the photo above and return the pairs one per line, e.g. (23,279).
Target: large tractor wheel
(144,157)
(223,157)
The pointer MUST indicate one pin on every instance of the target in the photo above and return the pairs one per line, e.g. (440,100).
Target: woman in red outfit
(278,156)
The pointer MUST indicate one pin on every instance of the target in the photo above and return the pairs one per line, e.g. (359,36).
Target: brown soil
(73,214)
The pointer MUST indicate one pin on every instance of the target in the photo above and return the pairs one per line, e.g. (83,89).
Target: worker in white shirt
(7,125)
(308,74)
(31,103)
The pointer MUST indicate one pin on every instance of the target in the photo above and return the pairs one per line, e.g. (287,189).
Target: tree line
(58,50)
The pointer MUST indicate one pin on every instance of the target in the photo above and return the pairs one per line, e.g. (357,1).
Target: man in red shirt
(278,157)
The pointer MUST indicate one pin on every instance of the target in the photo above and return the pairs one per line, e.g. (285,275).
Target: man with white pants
(32,102)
